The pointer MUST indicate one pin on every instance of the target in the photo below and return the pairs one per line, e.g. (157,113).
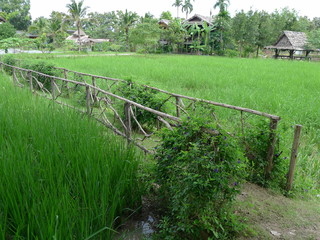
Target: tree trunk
(79,40)
(257,51)
(127,39)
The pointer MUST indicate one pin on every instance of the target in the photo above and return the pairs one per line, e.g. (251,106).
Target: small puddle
(137,229)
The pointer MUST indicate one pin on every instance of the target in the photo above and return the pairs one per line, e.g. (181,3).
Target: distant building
(84,39)
(292,42)
(199,20)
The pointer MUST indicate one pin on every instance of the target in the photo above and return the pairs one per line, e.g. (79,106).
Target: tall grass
(61,175)
(290,89)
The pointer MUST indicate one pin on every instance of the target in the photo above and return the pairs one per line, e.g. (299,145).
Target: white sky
(308,8)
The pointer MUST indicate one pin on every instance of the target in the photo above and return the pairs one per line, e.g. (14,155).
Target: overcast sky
(308,8)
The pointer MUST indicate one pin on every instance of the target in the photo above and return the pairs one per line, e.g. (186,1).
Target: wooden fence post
(65,73)
(178,106)
(14,76)
(294,154)
(53,89)
(94,90)
(127,120)
(88,99)
(272,144)
(30,80)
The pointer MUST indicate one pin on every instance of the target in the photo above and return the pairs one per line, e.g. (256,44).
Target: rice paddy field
(289,89)
(62,175)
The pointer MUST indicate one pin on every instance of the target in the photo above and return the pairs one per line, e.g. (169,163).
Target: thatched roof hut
(164,23)
(2,19)
(199,20)
(84,38)
(292,42)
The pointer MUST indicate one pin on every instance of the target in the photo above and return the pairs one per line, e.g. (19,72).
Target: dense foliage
(6,30)
(145,96)
(199,172)
(17,12)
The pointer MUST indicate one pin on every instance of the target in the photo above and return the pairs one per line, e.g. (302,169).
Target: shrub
(256,144)
(199,169)
(45,68)
(145,96)
(10,60)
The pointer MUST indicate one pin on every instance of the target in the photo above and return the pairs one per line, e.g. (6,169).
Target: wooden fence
(97,96)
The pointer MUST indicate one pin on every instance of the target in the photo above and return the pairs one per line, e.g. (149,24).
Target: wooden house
(292,42)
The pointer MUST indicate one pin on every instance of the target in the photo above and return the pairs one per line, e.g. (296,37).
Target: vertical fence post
(14,76)
(53,89)
(127,121)
(94,90)
(271,148)
(178,106)
(88,99)
(65,73)
(1,66)
(294,154)
(30,80)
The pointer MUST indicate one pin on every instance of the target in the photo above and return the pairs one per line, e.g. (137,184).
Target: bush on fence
(144,96)
(199,169)
(256,143)
(10,60)
(45,68)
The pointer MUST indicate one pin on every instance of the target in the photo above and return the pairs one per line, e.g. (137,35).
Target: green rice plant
(61,175)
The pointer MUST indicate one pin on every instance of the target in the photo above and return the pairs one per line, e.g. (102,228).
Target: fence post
(294,154)
(88,99)
(53,89)
(14,76)
(127,120)
(94,90)
(1,67)
(272,144)
(30,80)
(65,73)
(178,106)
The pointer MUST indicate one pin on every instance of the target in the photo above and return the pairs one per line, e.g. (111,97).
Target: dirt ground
(273,216)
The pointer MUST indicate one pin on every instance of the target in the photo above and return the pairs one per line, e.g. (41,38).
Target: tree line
(244,34)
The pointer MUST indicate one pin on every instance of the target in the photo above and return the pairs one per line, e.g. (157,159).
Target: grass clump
(62,176)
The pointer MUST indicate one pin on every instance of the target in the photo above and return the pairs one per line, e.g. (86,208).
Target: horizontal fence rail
(103,98)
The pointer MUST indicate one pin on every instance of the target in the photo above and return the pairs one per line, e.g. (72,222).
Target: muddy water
(138,229)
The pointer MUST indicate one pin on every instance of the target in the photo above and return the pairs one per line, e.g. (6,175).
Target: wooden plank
(294,155)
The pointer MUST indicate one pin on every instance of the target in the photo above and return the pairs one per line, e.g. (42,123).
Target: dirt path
(273,216)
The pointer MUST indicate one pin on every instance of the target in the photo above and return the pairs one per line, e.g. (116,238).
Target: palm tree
(222,5)
(127,20)
(187,7)
(177,4)
(77,12)
(222,18)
